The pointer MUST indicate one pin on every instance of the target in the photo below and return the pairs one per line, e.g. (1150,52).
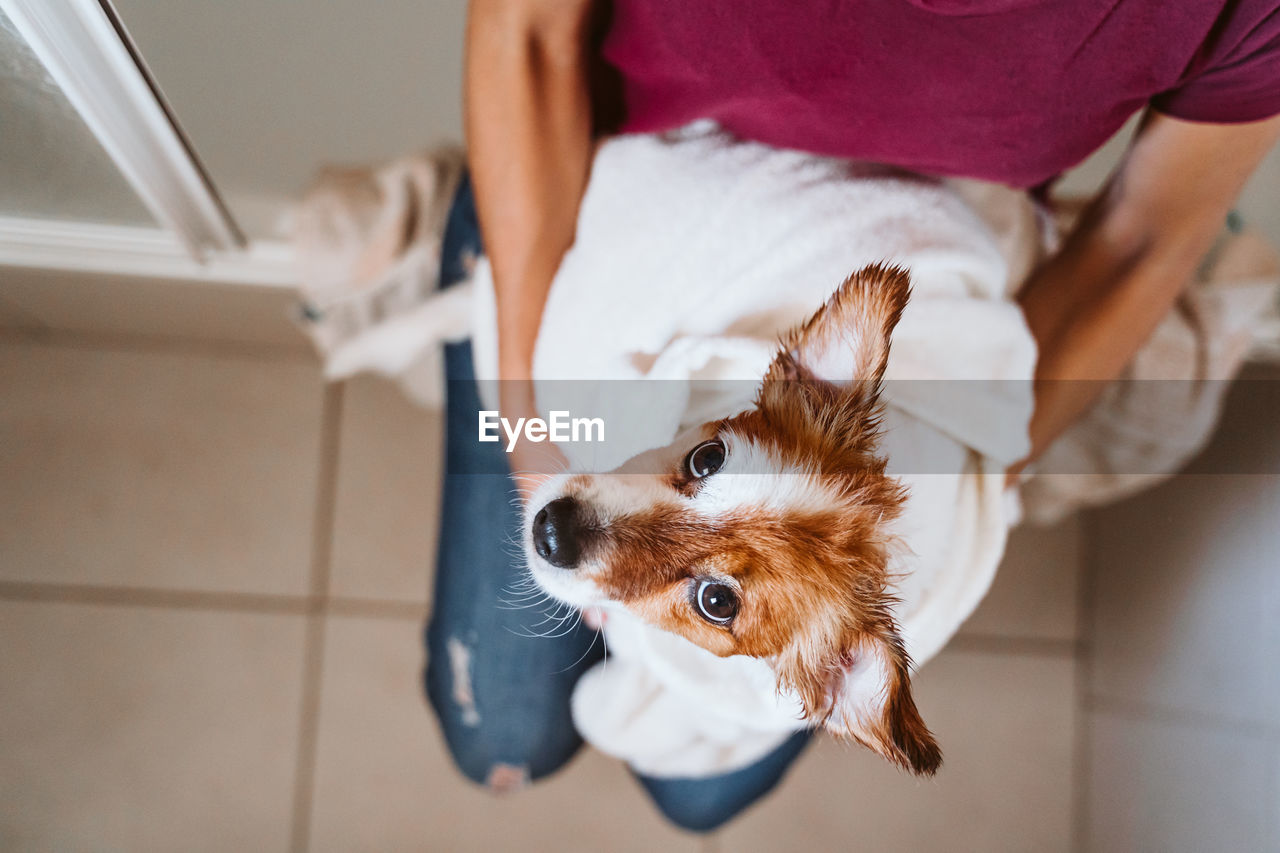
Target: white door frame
(91,57)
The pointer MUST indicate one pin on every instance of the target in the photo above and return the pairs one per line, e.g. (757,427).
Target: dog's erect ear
(871,702)
(847,340)
(828,370)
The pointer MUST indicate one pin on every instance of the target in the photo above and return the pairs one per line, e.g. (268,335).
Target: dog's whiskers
(553,632)
(519,605)
(521,594)
(553,617)
(583,656)
(569,630)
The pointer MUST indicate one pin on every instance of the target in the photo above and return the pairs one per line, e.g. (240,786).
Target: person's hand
(531,463)
(1094,304)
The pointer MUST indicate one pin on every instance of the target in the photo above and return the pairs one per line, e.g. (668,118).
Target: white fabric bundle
(367,243)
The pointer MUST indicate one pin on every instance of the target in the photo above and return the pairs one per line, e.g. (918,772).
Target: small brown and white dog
(765,534)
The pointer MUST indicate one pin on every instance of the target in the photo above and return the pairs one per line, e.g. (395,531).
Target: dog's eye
(705,459)
(717,602)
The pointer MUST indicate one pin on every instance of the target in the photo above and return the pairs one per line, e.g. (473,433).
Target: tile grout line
(169,598)
(165,598)
(162,344)
(1273,799)
(308,735)
(374,608)
(1082,729)
(313,648)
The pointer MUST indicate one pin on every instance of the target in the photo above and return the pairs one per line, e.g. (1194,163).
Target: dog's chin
(566,585)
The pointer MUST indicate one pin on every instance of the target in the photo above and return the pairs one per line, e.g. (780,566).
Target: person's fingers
(533,464)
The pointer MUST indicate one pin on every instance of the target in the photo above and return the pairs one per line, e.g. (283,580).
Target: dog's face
(765,534)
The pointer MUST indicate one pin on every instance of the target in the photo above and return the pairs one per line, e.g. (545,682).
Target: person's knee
(472,754)
(494,750)
(468,747)
(488,758)
(706,804)
(697,814)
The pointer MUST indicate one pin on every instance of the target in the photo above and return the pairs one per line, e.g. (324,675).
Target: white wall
(271,89)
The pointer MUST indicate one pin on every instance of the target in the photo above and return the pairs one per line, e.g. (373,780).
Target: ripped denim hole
(463,694)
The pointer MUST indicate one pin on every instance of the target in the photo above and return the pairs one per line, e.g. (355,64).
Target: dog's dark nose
(556,533)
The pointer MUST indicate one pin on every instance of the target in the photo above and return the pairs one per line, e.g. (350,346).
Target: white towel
(693,253)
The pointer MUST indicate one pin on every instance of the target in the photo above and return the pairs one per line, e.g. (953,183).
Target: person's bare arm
(1093,305)
(528,125)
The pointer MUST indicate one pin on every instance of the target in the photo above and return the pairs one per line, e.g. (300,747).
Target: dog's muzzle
(557,533)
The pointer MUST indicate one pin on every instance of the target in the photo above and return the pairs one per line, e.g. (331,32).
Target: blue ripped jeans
(501,695)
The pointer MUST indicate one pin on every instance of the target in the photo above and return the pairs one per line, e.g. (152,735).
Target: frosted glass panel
(51,166)
(271,91)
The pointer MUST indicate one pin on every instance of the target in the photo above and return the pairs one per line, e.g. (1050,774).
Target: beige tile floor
(213,572)
(1181,698)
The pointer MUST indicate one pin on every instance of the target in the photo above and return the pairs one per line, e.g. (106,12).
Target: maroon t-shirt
(1014,91)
